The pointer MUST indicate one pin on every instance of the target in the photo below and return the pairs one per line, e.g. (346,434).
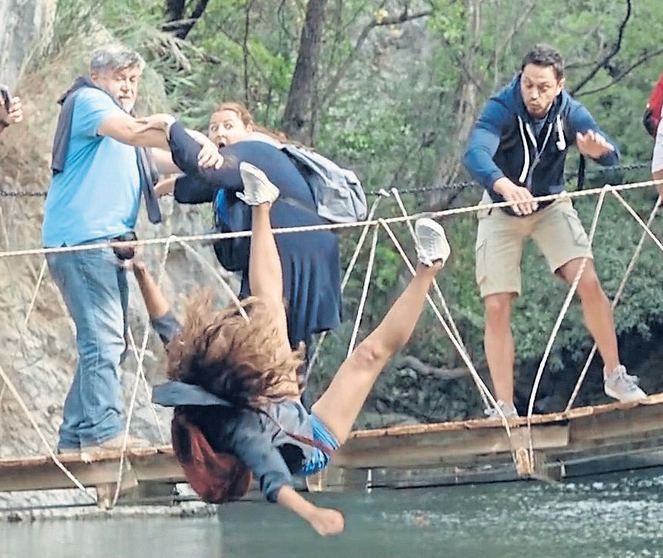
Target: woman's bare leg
(265,272)
(340,404)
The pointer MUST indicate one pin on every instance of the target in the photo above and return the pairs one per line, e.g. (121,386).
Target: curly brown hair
(243,362)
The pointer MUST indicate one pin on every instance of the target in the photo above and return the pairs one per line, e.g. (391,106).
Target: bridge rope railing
(422,189)
(558,323)
(206,237)
(449,328)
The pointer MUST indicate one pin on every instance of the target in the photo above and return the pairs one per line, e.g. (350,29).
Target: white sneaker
(432,243)
(508,409)
(622,386)
(257,187)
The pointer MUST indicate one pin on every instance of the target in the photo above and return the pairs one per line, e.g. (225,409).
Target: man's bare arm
(164,161)
(658,175)
(126,129)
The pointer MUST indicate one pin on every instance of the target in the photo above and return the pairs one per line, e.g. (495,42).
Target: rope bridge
(523,455)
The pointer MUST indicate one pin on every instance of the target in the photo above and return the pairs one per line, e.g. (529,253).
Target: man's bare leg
(600,322)
(499,346)
(596,310)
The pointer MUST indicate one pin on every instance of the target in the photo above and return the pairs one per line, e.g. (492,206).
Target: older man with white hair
(100,170)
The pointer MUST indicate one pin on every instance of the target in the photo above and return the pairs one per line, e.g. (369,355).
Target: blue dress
(310,260)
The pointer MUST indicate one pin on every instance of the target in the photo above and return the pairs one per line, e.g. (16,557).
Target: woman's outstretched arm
(325,521)
(155,301)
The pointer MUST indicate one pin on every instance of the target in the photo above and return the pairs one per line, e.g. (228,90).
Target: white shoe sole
(248,173)
(610,393)
(438,230)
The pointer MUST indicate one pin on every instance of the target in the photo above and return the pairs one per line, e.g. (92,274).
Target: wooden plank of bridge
(140,465)
(396,456)
(439,447)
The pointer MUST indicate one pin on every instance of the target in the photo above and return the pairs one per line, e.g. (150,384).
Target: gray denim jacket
(259,439)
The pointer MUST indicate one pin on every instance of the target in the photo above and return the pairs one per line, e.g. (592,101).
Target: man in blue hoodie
(517,150)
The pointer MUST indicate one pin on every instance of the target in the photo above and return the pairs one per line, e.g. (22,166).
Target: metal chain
(458,186)
(453,187)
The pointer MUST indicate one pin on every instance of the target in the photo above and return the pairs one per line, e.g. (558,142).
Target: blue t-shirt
(97,195)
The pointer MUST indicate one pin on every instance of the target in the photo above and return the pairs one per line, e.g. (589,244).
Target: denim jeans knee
(95,292)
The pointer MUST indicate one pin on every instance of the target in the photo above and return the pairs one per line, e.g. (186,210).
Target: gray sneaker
(432,243)
(257,187)
(508,409)
(622,386)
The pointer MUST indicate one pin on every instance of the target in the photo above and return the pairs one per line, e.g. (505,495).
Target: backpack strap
(311,442)
(303,439)
(582,165)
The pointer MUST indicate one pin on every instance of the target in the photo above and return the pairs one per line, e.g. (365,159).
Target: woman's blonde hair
(243,362)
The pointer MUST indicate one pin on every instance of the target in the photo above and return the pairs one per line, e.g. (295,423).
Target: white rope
(3,226)
(438,291)
(560,318)
(436,285)
(215,271)
(17,396)
(34,294)
(28,314)
(325,227)
(615,301)
(7,384)
(346,278)
(140,373)
(364,292)
(639,220)
(463,354)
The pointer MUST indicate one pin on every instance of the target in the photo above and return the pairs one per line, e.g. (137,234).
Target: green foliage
(389,108)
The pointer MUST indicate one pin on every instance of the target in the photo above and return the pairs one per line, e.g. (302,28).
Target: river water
(618,516)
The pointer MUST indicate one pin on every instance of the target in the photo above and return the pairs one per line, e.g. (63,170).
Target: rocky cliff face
(36,335)
(25,29)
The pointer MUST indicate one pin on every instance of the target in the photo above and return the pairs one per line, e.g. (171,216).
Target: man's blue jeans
(96,293)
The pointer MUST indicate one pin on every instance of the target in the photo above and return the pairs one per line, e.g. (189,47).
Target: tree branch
(420,367)
(623,74)
(361,39)
(245,51)
(611,54)
(177,24)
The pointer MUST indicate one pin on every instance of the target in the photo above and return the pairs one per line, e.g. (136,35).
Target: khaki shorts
(556,230)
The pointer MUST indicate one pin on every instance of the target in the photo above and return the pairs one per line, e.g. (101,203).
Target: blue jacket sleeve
(191,189)
(185,152)
(253,446)
(581,121)
(167,327)
(483,143)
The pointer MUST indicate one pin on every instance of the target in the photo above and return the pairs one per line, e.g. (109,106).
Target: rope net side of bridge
(372,225)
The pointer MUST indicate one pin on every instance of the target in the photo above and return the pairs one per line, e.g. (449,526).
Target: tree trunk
(298,118)
(449,166)
(177,22)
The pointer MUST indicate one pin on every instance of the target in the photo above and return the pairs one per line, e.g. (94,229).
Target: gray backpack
(338,194)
